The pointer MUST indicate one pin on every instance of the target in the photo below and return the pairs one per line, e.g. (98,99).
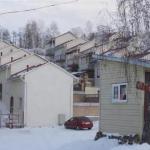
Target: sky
(66,16)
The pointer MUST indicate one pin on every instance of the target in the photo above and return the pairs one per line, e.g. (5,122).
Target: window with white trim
(119,92)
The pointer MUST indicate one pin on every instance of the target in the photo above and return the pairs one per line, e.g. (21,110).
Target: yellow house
(124,109)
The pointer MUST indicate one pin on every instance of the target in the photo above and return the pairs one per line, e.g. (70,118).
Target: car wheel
(89,128)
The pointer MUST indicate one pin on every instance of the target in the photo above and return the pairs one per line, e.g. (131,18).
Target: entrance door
(146,130)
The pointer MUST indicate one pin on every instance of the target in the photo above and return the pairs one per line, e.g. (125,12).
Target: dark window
(1,91)
(98,72)
(11,104)
(20,103)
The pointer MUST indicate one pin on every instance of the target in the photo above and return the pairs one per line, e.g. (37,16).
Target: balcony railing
(60,58)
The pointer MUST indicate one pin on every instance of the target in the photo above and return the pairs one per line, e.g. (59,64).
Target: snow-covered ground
(58,138)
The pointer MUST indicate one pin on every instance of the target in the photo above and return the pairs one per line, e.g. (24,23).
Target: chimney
(27,68)
(11,59)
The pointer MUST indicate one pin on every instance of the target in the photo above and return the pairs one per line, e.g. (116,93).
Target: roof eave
(131,61)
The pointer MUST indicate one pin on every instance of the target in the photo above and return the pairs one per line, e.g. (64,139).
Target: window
(98,72)
(1,91)
(119,92)
(20,103)
(11,104)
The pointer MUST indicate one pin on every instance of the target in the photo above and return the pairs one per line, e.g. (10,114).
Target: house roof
(62,44)
(69,32)
(9,44)
(10,62)
(71,49)
(2,67)
(129,60)
(29,69)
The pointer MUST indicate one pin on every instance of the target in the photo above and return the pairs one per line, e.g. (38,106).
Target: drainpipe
(11,59)
(27,68)
(25,104)
(99,102)
(71,100)
(1,54)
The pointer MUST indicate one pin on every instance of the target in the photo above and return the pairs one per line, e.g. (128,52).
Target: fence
(11,120)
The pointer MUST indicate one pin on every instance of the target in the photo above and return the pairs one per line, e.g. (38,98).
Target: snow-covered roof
(29,69)
(129,60)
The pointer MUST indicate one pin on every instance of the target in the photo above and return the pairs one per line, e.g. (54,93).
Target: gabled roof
(10,62)
(62,44)
(27,70)
(69,32)
(9,44)
(78,42)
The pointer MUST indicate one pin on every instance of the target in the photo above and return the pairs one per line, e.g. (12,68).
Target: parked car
(78,123)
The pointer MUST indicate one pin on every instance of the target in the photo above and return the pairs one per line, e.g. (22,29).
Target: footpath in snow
(59,138)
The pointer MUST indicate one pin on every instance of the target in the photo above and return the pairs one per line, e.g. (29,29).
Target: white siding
(124,118)
(49,92)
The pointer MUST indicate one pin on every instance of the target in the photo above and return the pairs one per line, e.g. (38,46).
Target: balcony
(73,60)
(60,58)
(86,63)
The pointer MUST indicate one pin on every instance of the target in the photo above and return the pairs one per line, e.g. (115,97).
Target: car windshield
(84,118)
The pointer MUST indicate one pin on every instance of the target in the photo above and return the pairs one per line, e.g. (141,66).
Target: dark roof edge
(128,60)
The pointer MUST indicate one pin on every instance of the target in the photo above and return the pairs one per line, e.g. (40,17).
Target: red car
(78,123)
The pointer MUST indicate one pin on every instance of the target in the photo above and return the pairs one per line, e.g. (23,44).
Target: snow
(58,138)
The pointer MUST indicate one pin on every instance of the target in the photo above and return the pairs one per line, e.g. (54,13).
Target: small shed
(124,103)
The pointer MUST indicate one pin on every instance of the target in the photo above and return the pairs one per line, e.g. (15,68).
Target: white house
(38,91)
(60,43)
(72,53)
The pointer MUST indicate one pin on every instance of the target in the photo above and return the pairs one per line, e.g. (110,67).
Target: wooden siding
(123,118)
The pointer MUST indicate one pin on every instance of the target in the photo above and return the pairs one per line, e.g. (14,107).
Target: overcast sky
(66,16)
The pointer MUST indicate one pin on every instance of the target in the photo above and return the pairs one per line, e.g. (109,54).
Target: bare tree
(78,31)
(53,30)
(32,35)
(5,35)
(135,15)
(14,37)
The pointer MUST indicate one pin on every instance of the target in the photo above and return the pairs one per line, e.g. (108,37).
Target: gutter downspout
(99,100)
(71,100)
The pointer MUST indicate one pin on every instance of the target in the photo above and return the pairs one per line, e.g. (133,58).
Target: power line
(37,8)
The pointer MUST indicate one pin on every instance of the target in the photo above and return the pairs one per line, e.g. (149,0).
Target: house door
(146,130)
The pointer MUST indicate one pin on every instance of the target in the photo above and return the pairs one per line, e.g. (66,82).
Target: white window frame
(118,100)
